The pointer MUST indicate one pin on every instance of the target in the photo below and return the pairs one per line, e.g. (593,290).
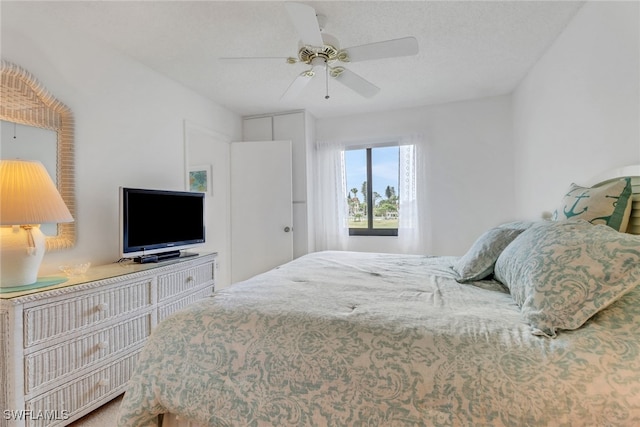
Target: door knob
(287,229)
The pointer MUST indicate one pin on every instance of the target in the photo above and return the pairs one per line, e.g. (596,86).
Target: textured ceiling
(467,49)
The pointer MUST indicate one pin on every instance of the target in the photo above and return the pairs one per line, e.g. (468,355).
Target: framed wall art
(200,179)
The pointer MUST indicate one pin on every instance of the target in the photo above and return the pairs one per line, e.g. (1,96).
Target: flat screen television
(158,224)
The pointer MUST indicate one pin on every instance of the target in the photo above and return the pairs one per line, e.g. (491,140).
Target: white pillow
(562,273)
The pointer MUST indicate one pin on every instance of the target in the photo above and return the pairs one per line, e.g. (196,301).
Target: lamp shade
(28,195)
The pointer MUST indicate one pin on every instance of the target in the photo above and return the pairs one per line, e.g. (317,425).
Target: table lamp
(28,198)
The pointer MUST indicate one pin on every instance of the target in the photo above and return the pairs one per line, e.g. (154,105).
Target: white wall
(577,113)
(129,124)
(469,146)
(204,147)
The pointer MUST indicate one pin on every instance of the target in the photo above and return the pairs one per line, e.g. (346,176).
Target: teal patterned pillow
(479,260)
(608,204)
(562,273)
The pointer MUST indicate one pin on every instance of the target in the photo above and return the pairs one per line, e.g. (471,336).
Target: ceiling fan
(322,51)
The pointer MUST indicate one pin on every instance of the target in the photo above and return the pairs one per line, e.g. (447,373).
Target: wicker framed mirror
(25,101)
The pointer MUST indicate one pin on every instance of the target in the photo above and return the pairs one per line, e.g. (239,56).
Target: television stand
(163,256)
(67,349)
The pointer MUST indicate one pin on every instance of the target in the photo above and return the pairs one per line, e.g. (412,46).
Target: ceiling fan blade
(295,88)
(357,83)
(240,59)
(386,49)
(306,23)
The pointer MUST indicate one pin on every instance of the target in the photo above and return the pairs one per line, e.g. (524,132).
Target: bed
(537,324)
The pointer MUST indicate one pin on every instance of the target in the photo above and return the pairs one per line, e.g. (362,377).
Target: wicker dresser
(69,348)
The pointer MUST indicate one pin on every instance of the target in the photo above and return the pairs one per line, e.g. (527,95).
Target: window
(372,177)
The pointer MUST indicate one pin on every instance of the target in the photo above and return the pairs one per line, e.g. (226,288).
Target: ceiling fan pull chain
(326,67)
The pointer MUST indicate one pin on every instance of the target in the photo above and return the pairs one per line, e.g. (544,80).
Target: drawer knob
(190,279)
(104,382)
(102,345)
(102,307)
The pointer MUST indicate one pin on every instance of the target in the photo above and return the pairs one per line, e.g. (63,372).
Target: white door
(261,207)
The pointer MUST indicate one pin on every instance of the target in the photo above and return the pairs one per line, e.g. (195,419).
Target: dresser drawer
(47,365)
(72,398)
(169,308)
(183,280)
(44,322)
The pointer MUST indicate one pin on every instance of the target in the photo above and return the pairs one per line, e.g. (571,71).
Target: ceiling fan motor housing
(328,52)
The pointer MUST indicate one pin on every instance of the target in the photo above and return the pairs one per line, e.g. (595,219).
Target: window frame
(370,231)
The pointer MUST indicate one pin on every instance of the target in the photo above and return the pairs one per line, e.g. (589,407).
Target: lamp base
(21,253)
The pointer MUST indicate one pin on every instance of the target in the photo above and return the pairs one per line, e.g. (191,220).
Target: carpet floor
(104,416)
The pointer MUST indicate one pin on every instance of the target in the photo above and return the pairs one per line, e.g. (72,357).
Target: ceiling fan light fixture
(336,71)
(342,56)
(319,61)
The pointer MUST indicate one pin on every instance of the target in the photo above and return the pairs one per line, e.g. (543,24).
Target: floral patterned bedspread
(343,339)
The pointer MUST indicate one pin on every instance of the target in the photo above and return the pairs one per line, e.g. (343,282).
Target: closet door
(258,129)
(261,207)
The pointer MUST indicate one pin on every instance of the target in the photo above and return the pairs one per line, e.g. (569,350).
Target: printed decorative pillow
(562,273)
(479,260)
(608,204)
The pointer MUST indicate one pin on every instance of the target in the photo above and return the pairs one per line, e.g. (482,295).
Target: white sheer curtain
(332,229)
(413,195)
